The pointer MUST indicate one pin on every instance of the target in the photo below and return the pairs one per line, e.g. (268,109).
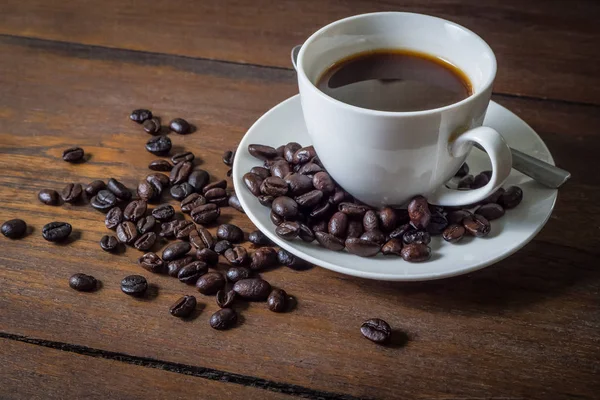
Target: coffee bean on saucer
(262,152)
(266,201)
(274,186)
(73,155)
(494,197)
(477,225)
(299,184)
(164,212)
(323,182)
(221,246)
(49,197)
(205,214)
(198,179)
(306,234)
(392,246)
(353,210)
(56,231)
(134,285)
(118,189)
(285,207)
(329,241)
(416,252)
(181,191)
(361,247)
(374,235)
(180,172)
(160,165)
(321,226)
(210,283)
(261,172)
(309,199)
(466,182)
(94,187)
(416,236)
(135,210)
(376,330)
(511,197)
(223,319)
(388,220)
(253,182)
(258,238)
(228,157)
(180,126)
(14,228)
(230,232)
(184,307)
(152,262)
(140,115)
(159,145)
(462,171)
(225,299)
(288,230)
(127,232)
(453,233)
(457,216)
(191,272)
(481,179)
(113,218)
(277,300)
(419,213)
(83,282)
(109,243)
(304,155)
(338,225)
(152,125)
(176,250)
(370,221)
(207,255)
(355,229)
(145,242)
(253,289)
(490,211)
(186,156)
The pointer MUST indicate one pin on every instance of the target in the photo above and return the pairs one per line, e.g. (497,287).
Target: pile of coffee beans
(307,204)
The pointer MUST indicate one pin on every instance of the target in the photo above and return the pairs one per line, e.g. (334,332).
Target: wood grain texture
(525,328)
(33,372)
(544,48)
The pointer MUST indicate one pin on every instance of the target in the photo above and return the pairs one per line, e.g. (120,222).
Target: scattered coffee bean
(118,189)
(56,231)
(14,228)
(147,192)
(225,298)
(94,187)
(183,230)
(392,246)
(228,157)
(152,125)
(127,232)
(181,191)
(338,225)
(180,172)
(419,213)
(49,197)
(277,300)
(192,201)
(109,243)
(134,285)
(237,255)
(210,283)
(205,214)
(160,165)
(164,212)
(207,255)
(145,242)
(253,289)
(490,211)
(462,171)
(184,307)
(201,238)
(83,282)
(258,238)
(304,155)
(361,247)
(71,193)
(223,319)
(466,182)
(186,156)
(453,233)
(289,260)
(230,232)
(374,235)
(180,126)
(146,224)
(152,262)
(416,252)
(190,273)
(176,250)
(234,202)
(376,330)
(140,115)
(288,230)
(217,196)
(353,210)
(477,225)
(159,145)
(416,236)
(329,241)
(159,181)
(235,274)
(265,257)
(511,198)
(135,210)
(175,266)
(73,155)
(221,246)
(113,218)
(198,179)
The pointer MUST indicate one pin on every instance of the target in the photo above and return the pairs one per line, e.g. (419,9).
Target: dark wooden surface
(70,72)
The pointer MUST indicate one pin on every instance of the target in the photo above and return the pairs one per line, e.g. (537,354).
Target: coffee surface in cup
(395,80)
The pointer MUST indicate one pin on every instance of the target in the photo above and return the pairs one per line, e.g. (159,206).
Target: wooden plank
(526,327)
(544,48)
(34,372)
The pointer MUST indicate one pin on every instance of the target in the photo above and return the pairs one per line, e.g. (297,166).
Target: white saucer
(284,123)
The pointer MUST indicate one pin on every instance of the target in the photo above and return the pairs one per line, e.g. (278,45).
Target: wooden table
(70,73)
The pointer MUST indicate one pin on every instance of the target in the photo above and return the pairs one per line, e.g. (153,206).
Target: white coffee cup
(386,158)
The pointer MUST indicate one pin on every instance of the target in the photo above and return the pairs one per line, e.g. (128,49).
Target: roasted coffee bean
(222,184)
(253,289)
(152,125)
(280,169)
(83,282)
(210,283)
(190,273)
(275,219)
(262,152)
(437,223)
(175,266)
(388,221)
(309,169)
(14,228)
(184,307)
(152,262)
(205,214)
(253,183)
(109,243)
(135,210)
(49,197)
(285,257)
(181,191)
(228,157)
(457,216)
(183,230)
(322,211)
(453,233)
(94,187)
(261,172)
(217,196)
(234,202)
(56,231)
(353,210)
(304,155)
(225,298)
(338,196)
(370,221)
(223,319)
(274,186)
(222,245)
(134,285)
(147,192)
(164,212)
(481,179)
(198,179)
(363,248)
(265,257)
(277,300)
(186,156)
(235,274)
(511,198)
(201,238)
(374,235)
(306,234)
(127,232)
(376,330)
(490,211)
(415,252)
(230,232)
(494,197)
(466,182)
(462,171)
(180,172)
(416,236)
(298,184)
(310,199)
(146,224)
(392,246)
(355,228)
(329,241)
(192,201)
(180,126)
(145,242)
(167,229)
(259,239)
(419,213)
(338,225)
(113,218)
(288,230)
(323,182)
(118,189)
(285,207)
(290,149)
(237,255)
(160,165)
(73,155)
(158,180)
(140,115)
(159,145)
(71,193)
(176,250)
(207,255)
(477,225)
(266,201)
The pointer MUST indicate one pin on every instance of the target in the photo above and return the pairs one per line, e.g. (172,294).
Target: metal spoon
(540,171)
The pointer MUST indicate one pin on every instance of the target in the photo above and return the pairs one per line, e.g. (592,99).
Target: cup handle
(500,156)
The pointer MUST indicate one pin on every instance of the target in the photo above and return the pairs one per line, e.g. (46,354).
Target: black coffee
(395,80)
